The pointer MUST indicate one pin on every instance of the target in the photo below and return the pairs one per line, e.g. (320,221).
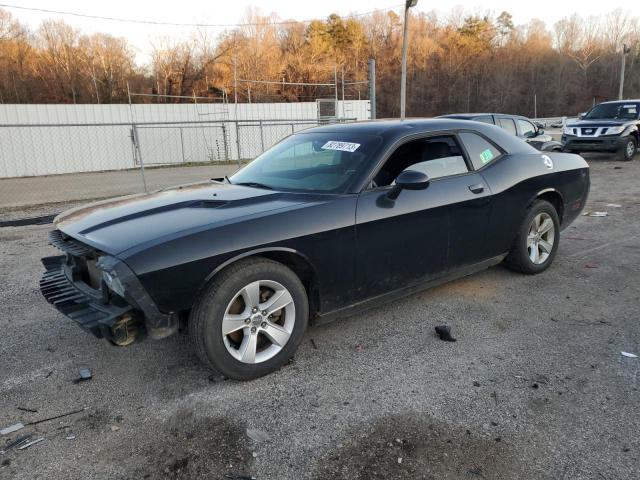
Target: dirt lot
(535,387)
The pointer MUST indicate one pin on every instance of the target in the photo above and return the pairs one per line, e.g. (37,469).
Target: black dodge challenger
(329,220)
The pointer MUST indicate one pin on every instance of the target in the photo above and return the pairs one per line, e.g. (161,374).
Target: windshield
(315,162)
(613,111)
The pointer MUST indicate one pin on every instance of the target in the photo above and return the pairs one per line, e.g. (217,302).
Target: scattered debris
(595,214)
(614,205)
(627,354)
(115,428)
(48,374)
(258,435)
(239,477)
(535,385)
(313,344)
(71,436)
(28,410)
(32,442)
(11,428)
(399,459)
(591,265)
(444,332)
(359,348)
(617,168)
(85,374)
(17,442)
(57,416)
(476,384)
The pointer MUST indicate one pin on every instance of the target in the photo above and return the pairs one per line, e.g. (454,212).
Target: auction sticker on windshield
(341,146)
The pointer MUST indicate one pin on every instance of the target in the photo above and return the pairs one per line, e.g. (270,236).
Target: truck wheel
(629,149)
(537,240)
(250,319)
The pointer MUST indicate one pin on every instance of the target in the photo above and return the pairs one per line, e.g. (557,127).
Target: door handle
(477,188)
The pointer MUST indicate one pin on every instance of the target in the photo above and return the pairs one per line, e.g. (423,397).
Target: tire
(629,149)
(226,303)
(523,259)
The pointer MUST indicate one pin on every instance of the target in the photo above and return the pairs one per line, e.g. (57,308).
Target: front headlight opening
(113,282)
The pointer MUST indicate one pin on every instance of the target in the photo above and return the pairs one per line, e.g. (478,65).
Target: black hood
(119,224)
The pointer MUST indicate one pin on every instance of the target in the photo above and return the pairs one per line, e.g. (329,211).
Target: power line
(176,24)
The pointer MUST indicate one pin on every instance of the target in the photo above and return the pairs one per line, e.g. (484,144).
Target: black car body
(152,257)
(522,127)
(608,127)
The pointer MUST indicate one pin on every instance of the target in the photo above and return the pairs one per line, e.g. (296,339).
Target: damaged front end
(101,294)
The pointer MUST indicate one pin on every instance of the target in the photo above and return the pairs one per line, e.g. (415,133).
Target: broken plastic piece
(12,428)
(614,205)
(18,441)
(32,442)
(444,332)
(630,355)
(85,374)
(596,214)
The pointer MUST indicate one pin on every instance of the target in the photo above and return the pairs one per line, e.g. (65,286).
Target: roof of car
(393,130)
(474,115)
(382,127)
(621,101)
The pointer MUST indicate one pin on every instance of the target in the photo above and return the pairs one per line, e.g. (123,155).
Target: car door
(407,240)
(507,124)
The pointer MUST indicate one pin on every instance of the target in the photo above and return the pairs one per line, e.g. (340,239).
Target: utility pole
(372,87)
(403,76)
(342,86)
(625,50)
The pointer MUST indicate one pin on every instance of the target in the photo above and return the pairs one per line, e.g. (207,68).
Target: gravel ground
(535,387)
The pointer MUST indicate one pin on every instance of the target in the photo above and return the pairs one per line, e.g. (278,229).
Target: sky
(231,12)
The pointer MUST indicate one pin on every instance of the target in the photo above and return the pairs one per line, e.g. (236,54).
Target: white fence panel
(54,139)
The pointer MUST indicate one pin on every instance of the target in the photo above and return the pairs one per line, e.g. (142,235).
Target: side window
(527,128)
(437,157)
(486,119)
(507,124)
(481,152)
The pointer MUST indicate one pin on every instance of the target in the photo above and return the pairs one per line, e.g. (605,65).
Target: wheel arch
(293,259)
(554,197)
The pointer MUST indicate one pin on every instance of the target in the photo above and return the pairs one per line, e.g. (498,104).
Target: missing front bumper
(88,312)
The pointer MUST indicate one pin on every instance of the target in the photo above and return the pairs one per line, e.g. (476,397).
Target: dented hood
(119,224)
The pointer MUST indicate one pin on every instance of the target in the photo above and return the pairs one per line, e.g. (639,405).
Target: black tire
(519,257)
(628,152)
(205,321)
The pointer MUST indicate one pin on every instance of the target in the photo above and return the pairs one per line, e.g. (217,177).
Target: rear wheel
(537,240)
(250,320)
(629,149)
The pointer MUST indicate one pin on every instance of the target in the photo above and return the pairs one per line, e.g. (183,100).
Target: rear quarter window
(481,151)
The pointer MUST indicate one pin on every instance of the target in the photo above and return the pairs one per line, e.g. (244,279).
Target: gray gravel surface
(535,387)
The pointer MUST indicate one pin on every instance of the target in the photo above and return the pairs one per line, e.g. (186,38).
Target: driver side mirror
(408,180)
(582,115)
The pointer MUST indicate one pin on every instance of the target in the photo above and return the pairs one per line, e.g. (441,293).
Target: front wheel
(537,240)
(250,320)
(629,149)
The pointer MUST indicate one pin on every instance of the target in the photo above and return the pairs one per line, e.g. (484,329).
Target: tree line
(456,63)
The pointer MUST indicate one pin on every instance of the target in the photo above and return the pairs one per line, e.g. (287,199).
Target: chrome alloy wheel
(631,149)
(542,235)
(258,321)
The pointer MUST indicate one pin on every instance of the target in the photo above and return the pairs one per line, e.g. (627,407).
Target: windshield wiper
(254,184)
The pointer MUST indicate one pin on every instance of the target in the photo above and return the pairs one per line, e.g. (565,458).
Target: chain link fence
(47,166)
